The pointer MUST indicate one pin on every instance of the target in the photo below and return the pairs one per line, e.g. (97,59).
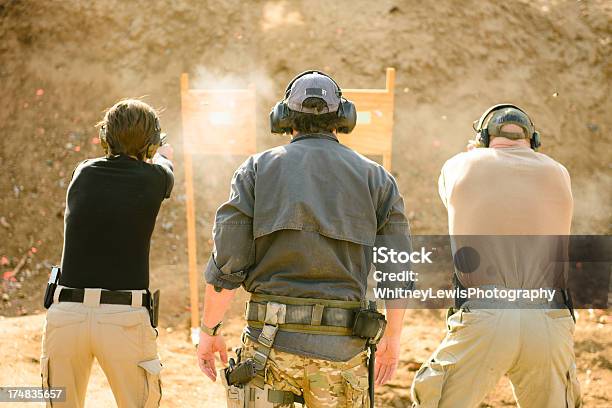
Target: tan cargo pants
(535,348)
(322,383)
(120,337)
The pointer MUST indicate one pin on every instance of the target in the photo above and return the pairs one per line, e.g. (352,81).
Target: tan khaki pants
(120,337)
(534,348)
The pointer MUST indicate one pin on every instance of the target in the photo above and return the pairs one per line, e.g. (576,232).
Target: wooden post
(194,294)
(390,82)
(212,125)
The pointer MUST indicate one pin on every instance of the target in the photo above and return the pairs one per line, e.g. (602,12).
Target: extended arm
(163,158)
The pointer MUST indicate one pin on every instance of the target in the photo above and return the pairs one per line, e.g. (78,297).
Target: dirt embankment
(64,62)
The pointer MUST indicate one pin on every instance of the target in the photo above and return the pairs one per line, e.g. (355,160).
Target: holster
(51,286)
(234,394)
(369,324)
(569,303)
(303,315)
(153,307)
(241,373)
(241,391)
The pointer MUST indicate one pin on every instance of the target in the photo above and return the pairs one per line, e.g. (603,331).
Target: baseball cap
(507,116)
(314,85)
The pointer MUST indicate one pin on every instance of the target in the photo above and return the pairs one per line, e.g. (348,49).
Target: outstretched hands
(472,144)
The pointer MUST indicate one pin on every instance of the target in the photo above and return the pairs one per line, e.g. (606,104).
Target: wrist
(211,331)
(393,334)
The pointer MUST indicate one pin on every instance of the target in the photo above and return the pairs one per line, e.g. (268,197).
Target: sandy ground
(186,386)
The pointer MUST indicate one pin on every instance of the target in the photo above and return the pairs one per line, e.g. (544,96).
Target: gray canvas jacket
(301,221)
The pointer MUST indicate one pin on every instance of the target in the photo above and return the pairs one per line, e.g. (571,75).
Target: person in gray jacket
(297,233)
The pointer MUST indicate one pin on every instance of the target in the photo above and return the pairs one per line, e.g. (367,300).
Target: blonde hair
(129,127)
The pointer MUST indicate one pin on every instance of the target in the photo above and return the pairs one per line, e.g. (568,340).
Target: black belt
(109,297)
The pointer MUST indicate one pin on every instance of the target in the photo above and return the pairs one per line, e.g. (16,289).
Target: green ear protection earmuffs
(483,136)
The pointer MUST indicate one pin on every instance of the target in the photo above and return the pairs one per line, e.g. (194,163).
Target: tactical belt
(314,319)
(109,297)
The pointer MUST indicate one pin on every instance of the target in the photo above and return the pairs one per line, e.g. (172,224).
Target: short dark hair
(313,123)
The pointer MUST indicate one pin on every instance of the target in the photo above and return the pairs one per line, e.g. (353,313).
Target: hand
(387,358)
(166,150)
(206,354)
(472,144)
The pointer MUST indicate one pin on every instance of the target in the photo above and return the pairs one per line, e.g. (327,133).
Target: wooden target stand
(211,126)
(373,134)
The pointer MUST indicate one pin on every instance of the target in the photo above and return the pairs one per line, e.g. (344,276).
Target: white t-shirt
(520,200)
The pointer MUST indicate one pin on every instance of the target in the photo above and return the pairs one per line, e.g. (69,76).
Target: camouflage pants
(322,383)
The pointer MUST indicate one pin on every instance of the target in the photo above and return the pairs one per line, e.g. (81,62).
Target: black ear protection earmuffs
(149,150)
(483,134)
(103,141)
(280,119)
(154,142)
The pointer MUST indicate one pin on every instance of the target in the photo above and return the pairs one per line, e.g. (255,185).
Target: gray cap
(507,116)
(314,85)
